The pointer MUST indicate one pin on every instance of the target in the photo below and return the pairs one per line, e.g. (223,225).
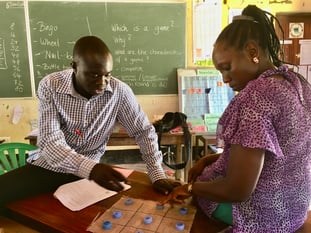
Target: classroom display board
(14,64)
(203,97)
(147,41)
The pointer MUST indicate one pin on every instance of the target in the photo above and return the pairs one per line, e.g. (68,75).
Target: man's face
(92,73)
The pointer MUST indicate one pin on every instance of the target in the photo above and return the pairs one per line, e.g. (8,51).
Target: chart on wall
(204,92)
(203,97)
(147,40)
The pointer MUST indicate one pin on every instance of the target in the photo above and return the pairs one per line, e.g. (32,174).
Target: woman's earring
(255,60)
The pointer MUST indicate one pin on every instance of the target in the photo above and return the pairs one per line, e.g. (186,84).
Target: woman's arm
(243,171)
(198,168)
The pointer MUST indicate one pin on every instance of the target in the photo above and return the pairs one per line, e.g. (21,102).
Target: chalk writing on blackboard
(3,63)
(146,49)
(14,63)
(15,57)
(132,60)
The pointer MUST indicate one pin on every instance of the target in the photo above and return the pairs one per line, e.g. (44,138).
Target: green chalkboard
(14,62)
(147,39)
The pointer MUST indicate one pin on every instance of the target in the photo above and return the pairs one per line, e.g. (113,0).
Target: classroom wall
(152,105)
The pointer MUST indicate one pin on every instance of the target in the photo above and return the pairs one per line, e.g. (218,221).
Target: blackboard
(14,63)
(147,40)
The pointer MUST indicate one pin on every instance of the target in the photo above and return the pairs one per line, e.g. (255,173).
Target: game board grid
(164,220)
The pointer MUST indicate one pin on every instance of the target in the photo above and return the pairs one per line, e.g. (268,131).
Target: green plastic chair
(13,155)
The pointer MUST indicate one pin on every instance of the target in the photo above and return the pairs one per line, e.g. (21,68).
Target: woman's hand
(165,186)
(178,195)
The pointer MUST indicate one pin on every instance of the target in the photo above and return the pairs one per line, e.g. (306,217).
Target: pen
(78,132)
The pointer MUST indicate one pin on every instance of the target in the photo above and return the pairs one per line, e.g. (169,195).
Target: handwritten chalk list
(147,40)
(14,64)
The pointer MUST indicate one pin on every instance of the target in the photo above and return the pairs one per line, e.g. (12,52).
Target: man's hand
(107,177)
(165,186)
(178,195)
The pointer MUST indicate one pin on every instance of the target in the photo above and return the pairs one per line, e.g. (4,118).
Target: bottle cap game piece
(128,201)
(160,207)
(180,226)
(107,225)
(148,220)
(117,214)
(183,210)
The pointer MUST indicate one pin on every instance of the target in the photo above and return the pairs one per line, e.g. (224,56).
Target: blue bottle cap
(180,226)
(160,207)
(148,220)
(183,210)
(117,214)
(107,225)
(128,201)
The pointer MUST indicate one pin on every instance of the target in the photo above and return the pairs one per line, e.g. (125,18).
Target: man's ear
(73,65)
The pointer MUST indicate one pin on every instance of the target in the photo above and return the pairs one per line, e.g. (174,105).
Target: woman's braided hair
(257,25)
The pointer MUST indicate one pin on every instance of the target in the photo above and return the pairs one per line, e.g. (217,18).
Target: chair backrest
(13,155)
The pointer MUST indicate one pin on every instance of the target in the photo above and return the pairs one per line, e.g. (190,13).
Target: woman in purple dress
(263,174)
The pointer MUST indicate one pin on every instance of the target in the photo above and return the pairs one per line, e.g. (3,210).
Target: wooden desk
(207,140)
(123,139)
(46,214)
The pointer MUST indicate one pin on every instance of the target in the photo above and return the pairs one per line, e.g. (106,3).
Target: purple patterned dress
(275,115)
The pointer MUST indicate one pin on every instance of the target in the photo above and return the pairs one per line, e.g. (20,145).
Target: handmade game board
(130,215)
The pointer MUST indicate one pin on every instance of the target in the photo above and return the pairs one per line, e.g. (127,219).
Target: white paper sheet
(82,193)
